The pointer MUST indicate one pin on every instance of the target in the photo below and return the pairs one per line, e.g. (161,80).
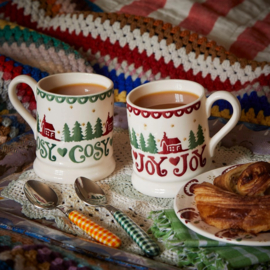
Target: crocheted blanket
(14,255)
(221,46)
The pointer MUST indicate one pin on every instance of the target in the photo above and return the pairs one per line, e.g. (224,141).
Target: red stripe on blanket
(143,7)
(253,40)
(16,14)
(105,47)
(133,56)
(202,17)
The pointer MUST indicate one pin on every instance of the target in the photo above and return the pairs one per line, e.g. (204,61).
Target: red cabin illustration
(170,145)
(47,129)
(108,125)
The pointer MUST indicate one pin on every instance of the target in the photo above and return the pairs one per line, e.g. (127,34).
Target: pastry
(238,199)
(228,181)
(226,210)
(255,179)
(250,179)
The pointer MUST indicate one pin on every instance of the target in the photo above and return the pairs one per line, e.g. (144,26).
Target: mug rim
(82,74)
(130,97)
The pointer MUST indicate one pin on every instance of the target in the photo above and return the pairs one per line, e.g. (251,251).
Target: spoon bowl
(91,193)
(40,195)
(43,197)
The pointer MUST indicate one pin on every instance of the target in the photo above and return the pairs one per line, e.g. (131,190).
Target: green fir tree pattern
(89,132)
(192,140)
(193,143)
(134,139)
(77,132)
(98,128)
(66,134)
(142,143)
(200,136)
(38,128)
(129,133)
(152,146)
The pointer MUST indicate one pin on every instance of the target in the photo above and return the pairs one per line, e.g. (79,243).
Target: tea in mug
(78,89)
(166,100)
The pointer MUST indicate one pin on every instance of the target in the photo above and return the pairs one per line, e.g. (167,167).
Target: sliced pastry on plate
(249,179)
(238,199)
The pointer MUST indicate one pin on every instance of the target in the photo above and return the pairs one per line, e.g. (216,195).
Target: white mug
(172,145)
(73,132)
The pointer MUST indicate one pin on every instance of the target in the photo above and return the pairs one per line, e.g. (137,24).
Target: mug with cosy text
(73,126)
(169,134)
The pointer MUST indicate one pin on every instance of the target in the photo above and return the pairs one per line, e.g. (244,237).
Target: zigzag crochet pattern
(133,50)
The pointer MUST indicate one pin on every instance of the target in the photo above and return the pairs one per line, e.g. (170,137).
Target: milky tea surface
(165,100)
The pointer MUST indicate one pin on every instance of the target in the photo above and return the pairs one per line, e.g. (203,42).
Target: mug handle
(16,102)
(231,123)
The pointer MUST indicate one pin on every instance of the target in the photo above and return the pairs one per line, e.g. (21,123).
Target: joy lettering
(182,163)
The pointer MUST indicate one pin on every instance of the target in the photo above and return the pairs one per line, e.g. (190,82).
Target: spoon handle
(97,232)
(139,236)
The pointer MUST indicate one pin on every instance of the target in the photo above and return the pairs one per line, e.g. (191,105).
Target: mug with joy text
(169,134)
(73,127)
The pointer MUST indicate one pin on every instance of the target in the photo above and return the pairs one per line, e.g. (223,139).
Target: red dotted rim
(166,114)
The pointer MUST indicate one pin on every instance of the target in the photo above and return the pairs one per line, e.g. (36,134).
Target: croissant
(226,210)
(250,179)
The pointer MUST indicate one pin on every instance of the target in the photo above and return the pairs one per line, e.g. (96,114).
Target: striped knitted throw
(130,50)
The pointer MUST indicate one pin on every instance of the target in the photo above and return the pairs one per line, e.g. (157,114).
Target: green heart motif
(60,99)
(82,100)
(71,100)
(42,94)
(102,96)
(93,98)
(109,93)
(50,97)
(62,152)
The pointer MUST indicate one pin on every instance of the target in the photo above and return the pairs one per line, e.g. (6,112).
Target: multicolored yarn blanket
(240,26)
(45,37)
(15,256)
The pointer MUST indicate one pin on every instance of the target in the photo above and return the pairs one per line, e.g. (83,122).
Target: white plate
(186,210)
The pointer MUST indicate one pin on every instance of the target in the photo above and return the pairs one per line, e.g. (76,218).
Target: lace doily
(120,193)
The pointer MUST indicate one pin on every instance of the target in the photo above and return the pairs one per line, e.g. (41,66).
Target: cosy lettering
(77,153)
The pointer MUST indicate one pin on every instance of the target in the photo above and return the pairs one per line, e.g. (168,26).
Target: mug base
(68,176)
(155,189)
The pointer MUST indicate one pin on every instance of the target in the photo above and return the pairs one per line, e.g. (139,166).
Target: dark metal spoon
(91,193)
